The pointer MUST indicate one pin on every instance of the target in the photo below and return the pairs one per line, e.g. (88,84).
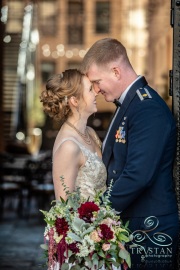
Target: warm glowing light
(82,53)
(45,47)
(60,47)
(55,54)
(137,18)
(30,75)
(75,51)
(46,53)
(7,39)
(46,50)
(4,14)
(20,136)
(35,36)
(61,53)
(37,131)
(69,54)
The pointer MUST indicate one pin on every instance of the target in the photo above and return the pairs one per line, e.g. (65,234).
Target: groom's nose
(96,88)
(95,93)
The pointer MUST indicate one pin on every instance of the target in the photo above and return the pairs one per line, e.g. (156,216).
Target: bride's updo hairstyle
(59,88)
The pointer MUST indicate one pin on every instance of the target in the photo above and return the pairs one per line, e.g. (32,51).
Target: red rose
(106,233)
(61,226)
(86,211)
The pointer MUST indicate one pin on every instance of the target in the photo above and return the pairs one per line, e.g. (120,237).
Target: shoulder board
(143,93)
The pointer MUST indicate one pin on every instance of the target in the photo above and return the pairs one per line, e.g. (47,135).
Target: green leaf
(77,223)
(101,253)
(123,237)
(65,266)
(115,263)
(69,253)
(74,237)
(126,224)
(123,254)
(75,267)
(113,247)
(95,256)
(72,258)
(131,237)
(128,261)
(112,253)
(90,264)
(101,262)
(90,229)
(44,212)
(108,266)
(44,246)
(95,260)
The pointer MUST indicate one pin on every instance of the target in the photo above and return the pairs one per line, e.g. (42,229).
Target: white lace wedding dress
(91,176)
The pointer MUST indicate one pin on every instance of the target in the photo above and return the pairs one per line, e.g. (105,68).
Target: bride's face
(89,97)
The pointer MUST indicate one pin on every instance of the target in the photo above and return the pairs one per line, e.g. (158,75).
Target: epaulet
(143,93)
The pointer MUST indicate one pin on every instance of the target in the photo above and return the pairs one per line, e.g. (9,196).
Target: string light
(61,51)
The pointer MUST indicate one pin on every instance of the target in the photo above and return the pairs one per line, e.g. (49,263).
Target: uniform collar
(122,97)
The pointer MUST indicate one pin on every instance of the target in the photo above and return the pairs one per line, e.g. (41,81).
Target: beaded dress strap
(82,147)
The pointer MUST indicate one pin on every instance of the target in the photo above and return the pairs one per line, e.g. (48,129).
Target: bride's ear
(73,101)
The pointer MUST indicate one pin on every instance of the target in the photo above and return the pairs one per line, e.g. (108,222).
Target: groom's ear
(116,72)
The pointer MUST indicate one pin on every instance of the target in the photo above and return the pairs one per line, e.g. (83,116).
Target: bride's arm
(66,163)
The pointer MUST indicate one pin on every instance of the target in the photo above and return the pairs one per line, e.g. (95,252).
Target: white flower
(57,238)
(86,247)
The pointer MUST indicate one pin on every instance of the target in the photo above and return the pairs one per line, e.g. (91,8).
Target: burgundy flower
(106,233)
(125,266)
(86,211)
(52,248)
(73,247)
(61,249)
(61,226)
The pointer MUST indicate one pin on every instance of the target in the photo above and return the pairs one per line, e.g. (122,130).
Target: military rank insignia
(120,135)
(143,93)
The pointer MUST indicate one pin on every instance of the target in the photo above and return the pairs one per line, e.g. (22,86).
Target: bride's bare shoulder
(66,146)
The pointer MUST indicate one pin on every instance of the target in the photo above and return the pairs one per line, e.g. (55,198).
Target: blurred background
(40,38)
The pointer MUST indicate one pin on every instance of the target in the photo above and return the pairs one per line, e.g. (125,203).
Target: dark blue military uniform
(138,154)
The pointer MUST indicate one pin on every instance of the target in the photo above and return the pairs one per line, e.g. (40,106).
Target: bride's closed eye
(91,88)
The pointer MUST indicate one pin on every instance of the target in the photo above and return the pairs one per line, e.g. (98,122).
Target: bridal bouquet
(82,234)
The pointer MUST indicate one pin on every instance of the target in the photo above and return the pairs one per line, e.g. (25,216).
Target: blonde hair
(102,52)
(59,88)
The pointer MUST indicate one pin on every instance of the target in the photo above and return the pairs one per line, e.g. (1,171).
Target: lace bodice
(92,175)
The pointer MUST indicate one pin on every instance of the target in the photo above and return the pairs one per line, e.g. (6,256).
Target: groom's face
(104,81)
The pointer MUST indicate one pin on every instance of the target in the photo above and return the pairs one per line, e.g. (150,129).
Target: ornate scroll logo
(155,245)
(158,238)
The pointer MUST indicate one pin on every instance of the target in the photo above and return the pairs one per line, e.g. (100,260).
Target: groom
(138,151)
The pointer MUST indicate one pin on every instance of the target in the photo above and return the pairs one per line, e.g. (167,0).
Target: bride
(69,97)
